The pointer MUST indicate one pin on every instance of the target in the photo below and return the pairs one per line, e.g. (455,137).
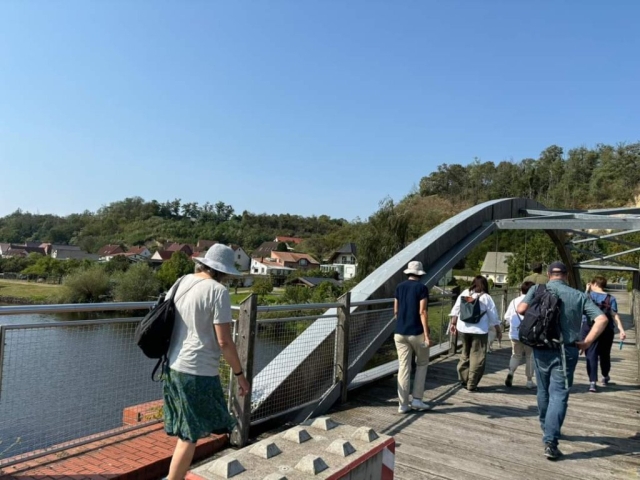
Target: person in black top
(412,337)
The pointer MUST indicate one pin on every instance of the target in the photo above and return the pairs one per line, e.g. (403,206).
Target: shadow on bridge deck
(494,433)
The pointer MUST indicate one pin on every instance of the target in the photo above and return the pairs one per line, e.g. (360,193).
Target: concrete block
(365,434)
(297,435)
(311,464)
(266,450)
(341,447)
(324,423)
(226,467)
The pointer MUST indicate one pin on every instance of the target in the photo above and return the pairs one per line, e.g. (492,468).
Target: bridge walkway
(494,433)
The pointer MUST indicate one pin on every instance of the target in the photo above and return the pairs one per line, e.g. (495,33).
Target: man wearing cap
(537,278)
(553,393)
(412,337)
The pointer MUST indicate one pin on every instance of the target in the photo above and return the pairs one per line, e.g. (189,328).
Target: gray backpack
(470,311)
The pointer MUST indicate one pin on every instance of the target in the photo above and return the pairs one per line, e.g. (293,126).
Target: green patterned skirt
(194,406)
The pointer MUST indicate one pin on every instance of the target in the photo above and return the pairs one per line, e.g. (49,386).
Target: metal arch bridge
(439,250)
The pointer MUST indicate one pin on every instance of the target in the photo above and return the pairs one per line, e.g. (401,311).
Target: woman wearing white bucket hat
(194,404)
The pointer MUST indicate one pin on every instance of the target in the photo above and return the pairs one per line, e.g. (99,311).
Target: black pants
(599,350)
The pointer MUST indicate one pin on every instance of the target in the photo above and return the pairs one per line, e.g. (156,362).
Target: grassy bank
(36,292)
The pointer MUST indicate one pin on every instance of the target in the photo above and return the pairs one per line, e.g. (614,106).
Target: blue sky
(303,107)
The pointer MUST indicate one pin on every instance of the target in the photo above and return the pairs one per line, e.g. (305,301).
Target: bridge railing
(66,383)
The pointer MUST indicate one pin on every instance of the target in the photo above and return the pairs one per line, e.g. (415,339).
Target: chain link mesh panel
(291,366)
(61,383)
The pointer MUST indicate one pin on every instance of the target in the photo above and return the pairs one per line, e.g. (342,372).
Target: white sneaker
(420,405)
(404,408)
(531,385)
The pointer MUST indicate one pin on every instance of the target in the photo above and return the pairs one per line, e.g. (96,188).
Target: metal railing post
(2,339)
(342,345)
(245,343)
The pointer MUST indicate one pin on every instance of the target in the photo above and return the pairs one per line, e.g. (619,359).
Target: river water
(62,383)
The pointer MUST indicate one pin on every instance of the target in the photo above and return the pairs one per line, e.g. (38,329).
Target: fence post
(2,334)
(245,343)
(342,344)
(453,339)
(635,311)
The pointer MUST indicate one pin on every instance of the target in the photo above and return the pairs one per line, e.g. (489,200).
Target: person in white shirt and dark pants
(475,336)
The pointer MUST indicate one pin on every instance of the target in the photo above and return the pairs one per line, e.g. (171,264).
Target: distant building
(241,258)
(107,252)
(4,247)
(22,249)
(289,240)
(268,267)
(300,261)
(312,282)
(204,245)
(161,256)
(264,250)
(67,254)
(49,248)
(179,247)
(344,261)
(496,268)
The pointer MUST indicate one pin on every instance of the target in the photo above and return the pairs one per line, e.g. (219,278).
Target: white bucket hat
(414,268)
(220,258)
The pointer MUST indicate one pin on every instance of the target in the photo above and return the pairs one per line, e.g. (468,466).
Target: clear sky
(303,107)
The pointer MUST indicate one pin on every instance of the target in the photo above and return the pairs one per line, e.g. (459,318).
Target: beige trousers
(520,351)
(409,346)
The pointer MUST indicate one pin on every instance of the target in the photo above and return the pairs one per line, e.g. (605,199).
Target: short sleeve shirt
(200,303)
(409,293)
(575,304)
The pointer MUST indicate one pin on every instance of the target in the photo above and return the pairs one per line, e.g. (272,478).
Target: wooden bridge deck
(494,433)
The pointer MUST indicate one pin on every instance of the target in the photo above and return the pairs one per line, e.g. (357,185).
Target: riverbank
(29,293)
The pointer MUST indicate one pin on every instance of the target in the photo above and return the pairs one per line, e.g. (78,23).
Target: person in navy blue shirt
(601,348)
(412,337)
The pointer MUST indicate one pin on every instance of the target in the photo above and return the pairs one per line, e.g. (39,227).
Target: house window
(239,257)
(304,262)
(344,259)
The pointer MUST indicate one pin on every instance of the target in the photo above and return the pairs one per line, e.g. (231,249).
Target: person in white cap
(194,404)
(412,337)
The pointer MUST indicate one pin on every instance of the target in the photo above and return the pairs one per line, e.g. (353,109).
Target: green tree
(138,283)
(119,263)
(262,286)
(178,265)
(282,247)
(87,286)
(295,294)
(325,292)
(45,267)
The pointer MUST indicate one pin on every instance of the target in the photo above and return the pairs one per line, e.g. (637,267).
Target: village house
(291,242)
(496,268)
(242,260)
(72,254)
(344,261)
(300,261)
(270,268)
(204,245)
(49,248)
(4,248)
(179,247)
(312,282)
(107,252)
(161,256)
(264,250)
(21,249)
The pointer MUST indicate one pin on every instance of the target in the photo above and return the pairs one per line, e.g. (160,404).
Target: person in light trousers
(520,351)
(412,337)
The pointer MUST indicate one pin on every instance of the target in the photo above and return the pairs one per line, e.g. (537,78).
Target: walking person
(474,333)
(537,277)
(194,404)
(554,374)
(519,350)
(601,348)
(412,337)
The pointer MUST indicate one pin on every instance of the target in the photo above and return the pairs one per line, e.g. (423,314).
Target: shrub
(86,286)
(137,284)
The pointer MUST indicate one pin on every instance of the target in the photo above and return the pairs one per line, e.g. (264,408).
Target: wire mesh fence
(63,382)
(294,361)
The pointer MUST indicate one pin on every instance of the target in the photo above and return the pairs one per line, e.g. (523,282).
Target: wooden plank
(495,433)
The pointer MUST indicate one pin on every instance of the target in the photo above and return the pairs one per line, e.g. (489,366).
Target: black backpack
(540,326)
(470,311)
(153,334)
(605,307)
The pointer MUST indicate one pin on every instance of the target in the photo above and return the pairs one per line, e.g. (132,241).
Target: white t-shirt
(513,318)
(200,303)
(490,319)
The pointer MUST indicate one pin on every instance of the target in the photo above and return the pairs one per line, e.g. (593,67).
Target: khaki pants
(408,346)
(520,351)
(472,358)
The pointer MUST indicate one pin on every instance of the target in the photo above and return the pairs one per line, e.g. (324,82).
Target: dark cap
(557,267)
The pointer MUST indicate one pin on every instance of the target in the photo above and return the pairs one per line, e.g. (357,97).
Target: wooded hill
(580,178)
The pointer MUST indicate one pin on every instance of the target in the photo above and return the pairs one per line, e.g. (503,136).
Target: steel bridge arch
(439,250)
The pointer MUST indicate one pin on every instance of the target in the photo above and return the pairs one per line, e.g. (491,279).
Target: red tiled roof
(164,254)
(137,250)
(109,250)
(294,257)
(295,240)
(205,244)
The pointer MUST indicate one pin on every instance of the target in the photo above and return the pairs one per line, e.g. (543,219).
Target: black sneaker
(509,380)
(552,452)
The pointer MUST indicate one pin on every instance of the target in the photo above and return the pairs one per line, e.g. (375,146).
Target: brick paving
(143,454)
